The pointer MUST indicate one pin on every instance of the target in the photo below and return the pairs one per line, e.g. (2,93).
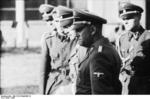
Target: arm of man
(45,66)
(142,56)
(101,74)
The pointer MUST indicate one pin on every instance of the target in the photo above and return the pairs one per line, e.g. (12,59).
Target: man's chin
(80,42)
(83,44)
(128,28)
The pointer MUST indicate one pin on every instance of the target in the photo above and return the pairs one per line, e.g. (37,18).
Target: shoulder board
(100,48)
(47,35)
(147,34)
(148,30)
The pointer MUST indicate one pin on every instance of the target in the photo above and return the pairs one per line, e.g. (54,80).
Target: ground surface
(20,71)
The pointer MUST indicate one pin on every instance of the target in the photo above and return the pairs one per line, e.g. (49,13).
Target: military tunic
(99,70)
(134,49)
(76,57)
(56,51)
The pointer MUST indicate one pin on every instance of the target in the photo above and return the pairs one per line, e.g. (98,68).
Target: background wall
(35,27)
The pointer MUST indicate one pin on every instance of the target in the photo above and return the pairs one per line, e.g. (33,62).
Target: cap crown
(46,8)
(62,12)
(129,8)
(63,15)
(87,16)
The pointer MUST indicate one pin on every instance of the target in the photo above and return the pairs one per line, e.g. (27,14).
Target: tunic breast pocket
(55,57)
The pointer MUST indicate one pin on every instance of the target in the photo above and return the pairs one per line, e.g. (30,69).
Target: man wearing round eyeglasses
(134,50)
(98,71)
(55,48)
(46,13)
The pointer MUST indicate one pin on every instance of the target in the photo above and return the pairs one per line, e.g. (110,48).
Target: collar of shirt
(63,38)
(102,41)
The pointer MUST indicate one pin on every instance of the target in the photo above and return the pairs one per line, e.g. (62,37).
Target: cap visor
(128,15)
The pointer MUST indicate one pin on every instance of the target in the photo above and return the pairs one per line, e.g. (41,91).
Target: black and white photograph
(74,47)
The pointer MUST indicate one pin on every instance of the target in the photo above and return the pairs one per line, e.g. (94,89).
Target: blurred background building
(21,24)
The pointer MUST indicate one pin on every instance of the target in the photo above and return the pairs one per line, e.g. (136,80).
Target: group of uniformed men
(78,59)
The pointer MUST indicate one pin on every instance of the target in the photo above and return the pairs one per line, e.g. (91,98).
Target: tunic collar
(136,34)
(101,41)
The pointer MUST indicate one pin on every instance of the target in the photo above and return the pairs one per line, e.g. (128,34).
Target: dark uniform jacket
(56,51)
(99,71)
(134,49)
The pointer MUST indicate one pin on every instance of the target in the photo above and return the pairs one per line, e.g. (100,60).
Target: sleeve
(101,74)
(45,65)
(142,56)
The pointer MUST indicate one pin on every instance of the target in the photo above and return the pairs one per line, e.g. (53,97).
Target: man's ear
(93,29)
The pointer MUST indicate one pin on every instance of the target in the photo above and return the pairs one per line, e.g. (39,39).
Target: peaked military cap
(63,15)
(46,11)
(127,9)
(84,17)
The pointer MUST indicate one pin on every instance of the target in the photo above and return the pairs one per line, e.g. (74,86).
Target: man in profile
(56,47)
(98,72)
